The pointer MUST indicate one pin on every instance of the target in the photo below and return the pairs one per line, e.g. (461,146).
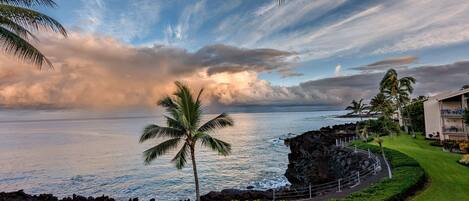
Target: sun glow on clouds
(98,71)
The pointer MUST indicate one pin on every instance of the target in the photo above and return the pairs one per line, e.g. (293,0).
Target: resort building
(444,115)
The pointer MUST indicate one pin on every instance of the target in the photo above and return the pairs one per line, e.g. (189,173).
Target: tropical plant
(18,22)
(357,108)
(184,127)
(416,116)
(464,160)
(378,139)
(381,104)
(362,130)
(383,126)
(398,90)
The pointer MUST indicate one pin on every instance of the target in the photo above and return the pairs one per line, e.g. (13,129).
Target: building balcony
(452,113)
(453,129)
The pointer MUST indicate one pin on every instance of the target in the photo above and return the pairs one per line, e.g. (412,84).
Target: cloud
(99,71)
(323,29)
(341,90)
(338,70)
(223,58)
(127,21)
(396,63)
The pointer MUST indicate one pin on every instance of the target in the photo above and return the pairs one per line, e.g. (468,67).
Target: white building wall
(432,118)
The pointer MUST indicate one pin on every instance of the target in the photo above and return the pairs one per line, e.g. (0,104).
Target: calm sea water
(67,152)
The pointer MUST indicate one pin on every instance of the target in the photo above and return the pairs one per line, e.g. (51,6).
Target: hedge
(408,177)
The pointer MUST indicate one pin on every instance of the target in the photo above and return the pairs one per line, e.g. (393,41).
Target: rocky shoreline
(314,159)
(22,196)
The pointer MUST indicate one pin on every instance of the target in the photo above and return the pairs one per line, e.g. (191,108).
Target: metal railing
(352,180)
(450,112)
(453,129)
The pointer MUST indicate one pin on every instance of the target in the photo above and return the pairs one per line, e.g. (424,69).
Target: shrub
(464,160)
(464,147)
(436,143)
(383,125)
(408,176)
(450,145)
(414,111)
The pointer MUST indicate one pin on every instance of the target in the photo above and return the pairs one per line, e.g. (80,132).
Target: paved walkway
(364,183)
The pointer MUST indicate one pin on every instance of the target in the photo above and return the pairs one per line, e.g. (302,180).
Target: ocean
(67,152)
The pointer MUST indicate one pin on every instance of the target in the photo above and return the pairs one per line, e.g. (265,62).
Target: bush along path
(408,177)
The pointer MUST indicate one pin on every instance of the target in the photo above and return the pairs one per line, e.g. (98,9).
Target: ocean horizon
(67,152)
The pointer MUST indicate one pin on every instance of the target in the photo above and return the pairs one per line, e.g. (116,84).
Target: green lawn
(448,179)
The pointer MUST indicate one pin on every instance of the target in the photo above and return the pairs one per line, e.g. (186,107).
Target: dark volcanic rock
(235,194)
(315,159)
(22,196)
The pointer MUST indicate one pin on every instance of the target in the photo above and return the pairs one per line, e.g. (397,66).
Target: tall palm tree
(397,89)
(18,22)
(183,118)
(357,108)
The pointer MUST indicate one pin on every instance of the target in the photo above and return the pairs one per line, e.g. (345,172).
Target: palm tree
(397,89)
(381,104)
(357,108)
(184,127)
(17,24)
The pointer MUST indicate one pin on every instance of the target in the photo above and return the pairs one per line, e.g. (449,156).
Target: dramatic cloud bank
(95,71)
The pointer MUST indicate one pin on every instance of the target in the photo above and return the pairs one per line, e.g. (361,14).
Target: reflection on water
(102,155)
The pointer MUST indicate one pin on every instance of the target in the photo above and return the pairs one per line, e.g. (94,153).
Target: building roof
(449,94)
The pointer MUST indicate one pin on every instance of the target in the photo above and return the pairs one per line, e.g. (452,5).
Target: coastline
(298,144)
(326,163)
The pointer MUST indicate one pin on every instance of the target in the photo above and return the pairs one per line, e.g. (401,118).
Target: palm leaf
(16,28)
(30,3)
(221,121)
(181,157)
(223,148)
(160,149)
(187,106)
(12,43)
(31,19)
(152,131)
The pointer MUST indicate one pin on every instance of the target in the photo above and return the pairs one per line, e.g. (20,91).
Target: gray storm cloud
(397,63)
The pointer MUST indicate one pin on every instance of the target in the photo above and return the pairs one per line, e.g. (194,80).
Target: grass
(448,179)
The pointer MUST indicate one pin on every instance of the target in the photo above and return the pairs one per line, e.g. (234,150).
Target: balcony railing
(453,113)
(453,129)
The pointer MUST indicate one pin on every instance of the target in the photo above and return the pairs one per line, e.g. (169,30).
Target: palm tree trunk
(196,177)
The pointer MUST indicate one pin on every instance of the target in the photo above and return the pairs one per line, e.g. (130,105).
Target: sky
(128,53)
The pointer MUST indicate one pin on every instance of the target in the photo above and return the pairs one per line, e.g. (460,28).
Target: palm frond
(223,148)
(181,157)
(30,3)
(152,131)
(189,109)
(173,123)
(31,19)
(16,28)
(221,121)
(12,43)
(160,149)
